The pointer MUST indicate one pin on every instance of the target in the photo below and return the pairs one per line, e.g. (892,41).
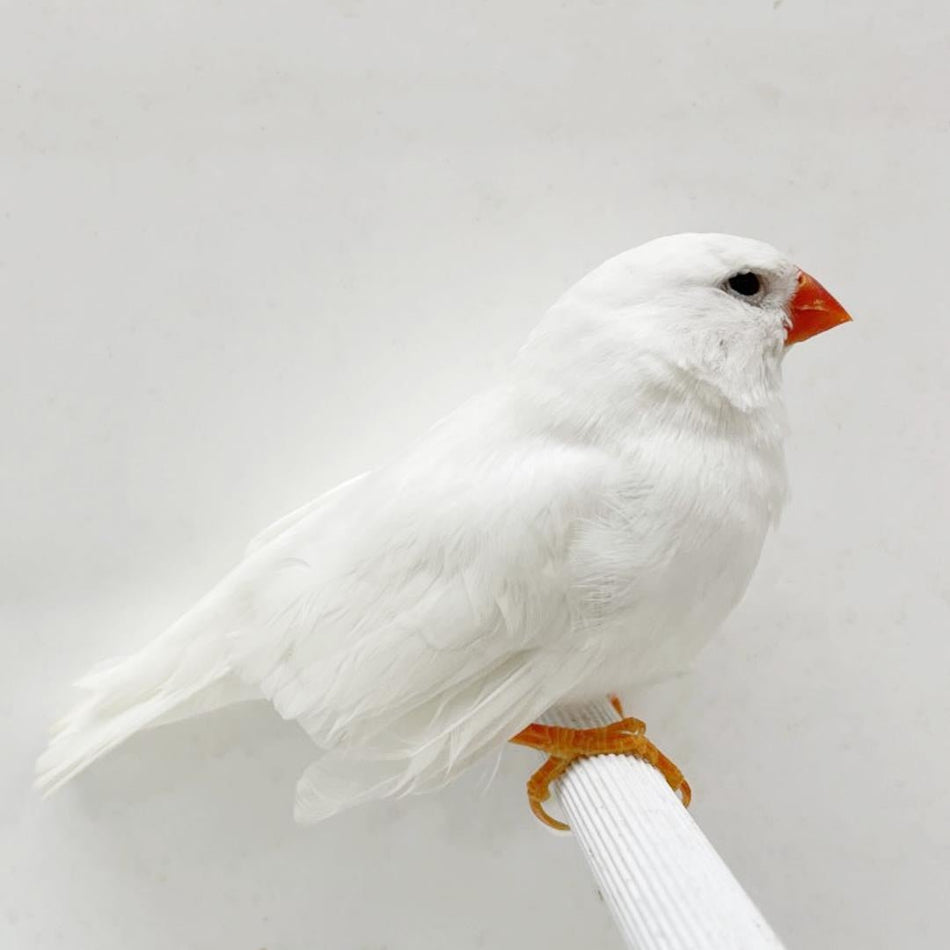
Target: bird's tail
(182,672)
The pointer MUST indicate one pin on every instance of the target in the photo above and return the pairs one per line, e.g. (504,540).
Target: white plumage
(583,526)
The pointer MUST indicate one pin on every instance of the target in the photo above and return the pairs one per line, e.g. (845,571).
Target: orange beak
(812,310)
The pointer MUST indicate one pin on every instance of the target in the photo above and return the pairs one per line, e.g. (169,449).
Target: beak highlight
(812,310)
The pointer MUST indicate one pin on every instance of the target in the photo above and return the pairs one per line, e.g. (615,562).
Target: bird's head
(713,312)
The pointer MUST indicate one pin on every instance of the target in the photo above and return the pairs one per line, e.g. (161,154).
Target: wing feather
(410,633)
(304,512)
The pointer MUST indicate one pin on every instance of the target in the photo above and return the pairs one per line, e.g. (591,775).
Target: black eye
(747,285)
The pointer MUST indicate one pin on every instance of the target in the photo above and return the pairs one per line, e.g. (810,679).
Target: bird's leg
(564,745)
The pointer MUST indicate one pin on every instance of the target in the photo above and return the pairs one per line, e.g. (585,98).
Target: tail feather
(182,672)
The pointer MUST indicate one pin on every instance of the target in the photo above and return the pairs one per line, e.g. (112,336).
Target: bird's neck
(653,398)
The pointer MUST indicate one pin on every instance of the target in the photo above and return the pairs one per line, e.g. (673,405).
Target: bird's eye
(746,285)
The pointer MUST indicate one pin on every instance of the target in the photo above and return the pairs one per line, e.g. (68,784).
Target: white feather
(585,525)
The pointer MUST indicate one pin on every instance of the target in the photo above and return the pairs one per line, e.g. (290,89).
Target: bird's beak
(812,310)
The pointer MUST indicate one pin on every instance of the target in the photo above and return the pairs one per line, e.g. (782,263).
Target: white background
(248,249)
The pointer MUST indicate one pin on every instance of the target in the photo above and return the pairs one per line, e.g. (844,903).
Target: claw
(564,746)
(539,790)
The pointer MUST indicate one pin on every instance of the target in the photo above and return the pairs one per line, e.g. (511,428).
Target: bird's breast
(671,551)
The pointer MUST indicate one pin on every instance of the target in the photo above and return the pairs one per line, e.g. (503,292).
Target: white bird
(581,527)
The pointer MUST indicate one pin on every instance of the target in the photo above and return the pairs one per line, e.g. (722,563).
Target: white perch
(664,882)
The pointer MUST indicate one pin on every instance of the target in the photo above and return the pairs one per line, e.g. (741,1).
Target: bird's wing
(421,621)
(304,512)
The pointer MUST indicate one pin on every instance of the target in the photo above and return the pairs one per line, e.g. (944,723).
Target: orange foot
(563,746)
